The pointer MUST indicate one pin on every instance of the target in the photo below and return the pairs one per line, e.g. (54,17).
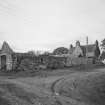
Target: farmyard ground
(69,86)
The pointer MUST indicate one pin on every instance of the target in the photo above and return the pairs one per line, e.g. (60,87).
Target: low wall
(56,62)
(79,61)
(27,62)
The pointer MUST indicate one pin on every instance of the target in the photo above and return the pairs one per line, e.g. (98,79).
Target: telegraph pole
(86,46)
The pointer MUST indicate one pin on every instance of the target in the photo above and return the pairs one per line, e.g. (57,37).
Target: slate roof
(88,48)
(85,48)
(91,48)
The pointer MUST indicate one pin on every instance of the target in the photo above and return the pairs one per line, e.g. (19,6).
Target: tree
(31,52)
(102,56)
(46,53)
(60,51)
(97,50)
(103,44)
(96,43)
(38,52)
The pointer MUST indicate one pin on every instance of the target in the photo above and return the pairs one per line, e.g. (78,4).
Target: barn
(6,57)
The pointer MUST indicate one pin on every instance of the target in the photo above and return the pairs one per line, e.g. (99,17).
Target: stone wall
(28,62)
(25,62)
(8,61)
(79,61)
(56,62)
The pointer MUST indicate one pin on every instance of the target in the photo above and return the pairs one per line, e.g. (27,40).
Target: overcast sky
(47,24)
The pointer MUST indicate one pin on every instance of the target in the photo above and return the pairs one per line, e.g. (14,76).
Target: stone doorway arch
(3,62)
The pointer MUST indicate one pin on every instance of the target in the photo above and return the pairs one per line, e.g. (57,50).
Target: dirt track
(53,90)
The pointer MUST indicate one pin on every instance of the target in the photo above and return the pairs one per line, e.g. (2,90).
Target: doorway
(3,62)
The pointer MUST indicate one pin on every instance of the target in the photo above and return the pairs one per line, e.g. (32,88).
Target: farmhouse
(83,54)
(88,50)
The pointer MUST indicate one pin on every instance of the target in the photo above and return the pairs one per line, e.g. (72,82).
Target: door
(3,62)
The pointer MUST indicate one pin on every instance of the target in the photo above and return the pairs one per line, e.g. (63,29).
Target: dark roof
(85,48)
(91,48)
(88,48)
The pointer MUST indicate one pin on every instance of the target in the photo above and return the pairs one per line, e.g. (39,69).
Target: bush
(27,64)
(55,64)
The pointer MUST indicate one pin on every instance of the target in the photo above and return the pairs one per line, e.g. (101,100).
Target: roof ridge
(6,47)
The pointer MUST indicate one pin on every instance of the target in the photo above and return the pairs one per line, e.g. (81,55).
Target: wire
(9,8)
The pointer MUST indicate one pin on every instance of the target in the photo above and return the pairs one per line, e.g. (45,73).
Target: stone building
(84,50)
(83,54)
(6,57)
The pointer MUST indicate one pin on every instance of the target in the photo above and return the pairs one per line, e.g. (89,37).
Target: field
(70,86)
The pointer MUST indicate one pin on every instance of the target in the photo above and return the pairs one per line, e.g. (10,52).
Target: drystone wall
(21,62)
(79,61)
(28,62)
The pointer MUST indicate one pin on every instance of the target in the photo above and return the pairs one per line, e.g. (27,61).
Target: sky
(47,24)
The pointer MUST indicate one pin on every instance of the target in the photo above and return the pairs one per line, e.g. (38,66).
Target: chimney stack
(87,40)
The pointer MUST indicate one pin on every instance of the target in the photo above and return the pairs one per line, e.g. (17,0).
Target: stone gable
(6,57)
